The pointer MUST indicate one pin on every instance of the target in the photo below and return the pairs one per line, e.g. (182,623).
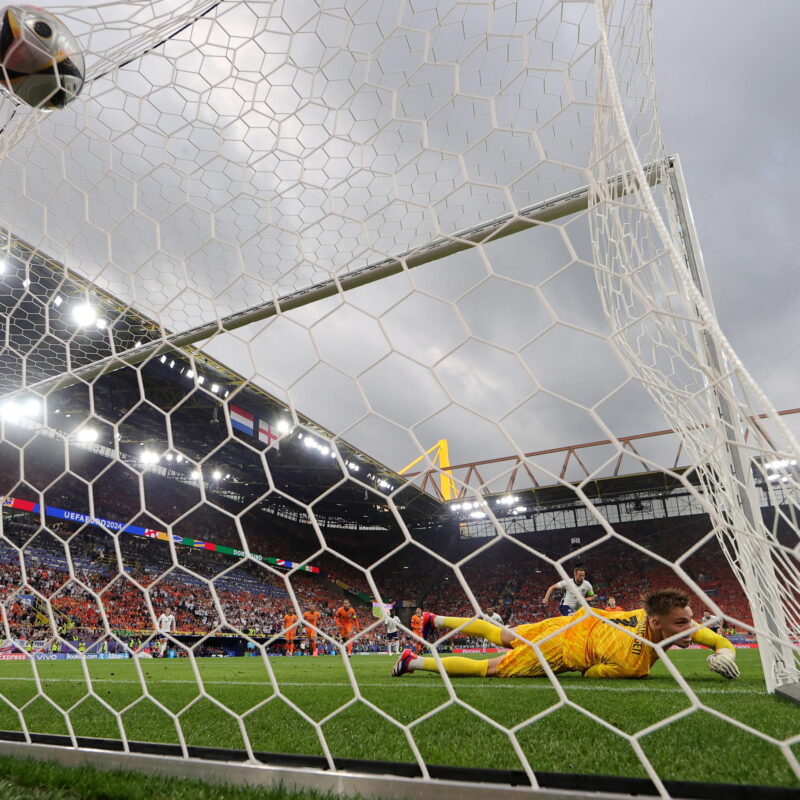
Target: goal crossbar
(543,212)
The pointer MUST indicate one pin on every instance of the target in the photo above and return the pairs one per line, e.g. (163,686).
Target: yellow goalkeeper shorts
(523,661)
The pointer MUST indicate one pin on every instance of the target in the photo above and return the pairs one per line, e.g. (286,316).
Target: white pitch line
(525,686)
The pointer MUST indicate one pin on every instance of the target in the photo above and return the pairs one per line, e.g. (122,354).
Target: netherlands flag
(241,420)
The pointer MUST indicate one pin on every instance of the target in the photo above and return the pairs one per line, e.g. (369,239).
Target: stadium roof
(58,321)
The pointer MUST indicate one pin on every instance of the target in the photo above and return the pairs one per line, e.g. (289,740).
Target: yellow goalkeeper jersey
(585,643)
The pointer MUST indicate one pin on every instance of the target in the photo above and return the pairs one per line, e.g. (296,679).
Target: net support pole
(756,567)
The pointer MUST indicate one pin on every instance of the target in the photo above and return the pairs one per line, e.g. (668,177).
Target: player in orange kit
(416,628)
(289,632)
(312,618)
(599,645)
(346,619)
(611,604)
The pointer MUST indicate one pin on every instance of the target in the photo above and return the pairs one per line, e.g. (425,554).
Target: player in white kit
(573,590)
(492,616)
(392,635)
(164,624)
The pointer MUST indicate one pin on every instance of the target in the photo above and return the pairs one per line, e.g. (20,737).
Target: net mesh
(262,263)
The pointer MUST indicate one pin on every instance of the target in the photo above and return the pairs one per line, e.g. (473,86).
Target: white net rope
(691,370)
(210,399)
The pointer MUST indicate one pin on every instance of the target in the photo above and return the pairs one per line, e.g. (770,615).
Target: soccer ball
(41,63)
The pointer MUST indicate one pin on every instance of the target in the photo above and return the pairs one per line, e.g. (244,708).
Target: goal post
(751,554)
(722,381)
(265,257)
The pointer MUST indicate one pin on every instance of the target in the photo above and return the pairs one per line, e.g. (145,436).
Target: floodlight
(10,412)
(84,315)
(31,407)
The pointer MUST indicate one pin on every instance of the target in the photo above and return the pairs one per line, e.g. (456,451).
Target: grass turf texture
(33,780)
(699,746)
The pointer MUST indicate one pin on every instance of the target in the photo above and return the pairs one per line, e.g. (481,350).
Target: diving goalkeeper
(598,646)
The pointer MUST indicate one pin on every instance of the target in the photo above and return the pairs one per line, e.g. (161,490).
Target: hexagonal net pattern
(277,256)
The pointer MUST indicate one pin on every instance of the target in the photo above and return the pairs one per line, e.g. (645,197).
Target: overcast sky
(726,79)
(727,76)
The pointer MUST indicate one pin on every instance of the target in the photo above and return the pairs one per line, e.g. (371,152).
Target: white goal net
(272,254)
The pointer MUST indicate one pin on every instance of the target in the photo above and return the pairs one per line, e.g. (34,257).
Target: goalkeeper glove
(723,662)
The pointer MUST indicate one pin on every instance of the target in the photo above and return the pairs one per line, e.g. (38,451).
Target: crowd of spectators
(643,557)
(84,581)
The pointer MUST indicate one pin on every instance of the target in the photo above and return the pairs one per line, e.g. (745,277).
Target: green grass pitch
(697,746)
(39,780)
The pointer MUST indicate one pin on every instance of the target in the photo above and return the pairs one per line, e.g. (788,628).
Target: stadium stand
(253,599)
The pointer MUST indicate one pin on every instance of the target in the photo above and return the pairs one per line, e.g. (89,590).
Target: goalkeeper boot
(401,665)
(427,624)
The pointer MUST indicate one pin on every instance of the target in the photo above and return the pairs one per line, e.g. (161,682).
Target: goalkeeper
(600,646)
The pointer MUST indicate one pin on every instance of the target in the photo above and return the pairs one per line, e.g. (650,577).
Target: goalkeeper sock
(454,665)
(477,627)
